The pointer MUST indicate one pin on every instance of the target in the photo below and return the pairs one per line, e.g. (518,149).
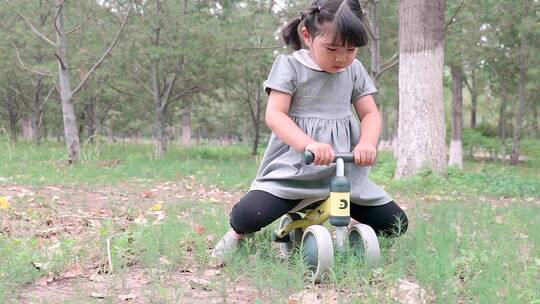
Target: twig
(37,32)
(29,68)
(81,24)
(109,255)
(452,19)
(95,218)
(107,51)
(271,47)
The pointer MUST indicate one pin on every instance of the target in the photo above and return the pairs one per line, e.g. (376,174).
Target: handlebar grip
(308,157)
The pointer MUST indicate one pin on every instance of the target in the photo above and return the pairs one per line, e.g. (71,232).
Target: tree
(421,126)
(71,134)
(172,57)
(374,25)
(456,145)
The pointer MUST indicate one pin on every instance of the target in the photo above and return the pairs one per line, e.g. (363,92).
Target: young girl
(309,108)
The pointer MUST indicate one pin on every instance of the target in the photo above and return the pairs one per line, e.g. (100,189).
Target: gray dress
(321,107)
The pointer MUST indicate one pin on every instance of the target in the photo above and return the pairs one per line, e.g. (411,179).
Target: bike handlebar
(308,157)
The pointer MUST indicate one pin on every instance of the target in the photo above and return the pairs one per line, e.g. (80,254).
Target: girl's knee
(242,222)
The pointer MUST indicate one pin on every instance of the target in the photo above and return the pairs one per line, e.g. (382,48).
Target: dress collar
(304,58)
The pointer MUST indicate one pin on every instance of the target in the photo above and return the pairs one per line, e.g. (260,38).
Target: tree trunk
(71,134)
(534,121)
(375,46)
(396,123)
(36,112)
(501,126)
(421,126)
(27,130)
(257,122)
(186,124)
(159,106)
(474,99)
(520,115)
(12,112)
(385,126)
(159,114)
(91,119)
(456,145)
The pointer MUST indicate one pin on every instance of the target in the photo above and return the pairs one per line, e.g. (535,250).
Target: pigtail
(290,33)
(349,21)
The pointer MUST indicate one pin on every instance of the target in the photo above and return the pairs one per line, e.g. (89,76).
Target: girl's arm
(278,120)
(365,152)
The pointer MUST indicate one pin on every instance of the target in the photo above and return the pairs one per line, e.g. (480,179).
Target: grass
(459,252)
(111,164)
(472,239)
(233,168)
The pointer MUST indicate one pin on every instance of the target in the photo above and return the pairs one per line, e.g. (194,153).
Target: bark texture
(520,115)
(456,145)
(186,124)
(71,133)
(421,126)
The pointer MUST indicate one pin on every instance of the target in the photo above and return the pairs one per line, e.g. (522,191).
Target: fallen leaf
(409,293)
(146,194)
(212,272)
(163,260)
(157,207)
(75,271)
(202,284)
(105,212)
(98,295)
(40,266)
(96,277)
(126,297)
(141,279)
(160,215)
(199,229)
(46,279)
(141,220)
(304,297)
(4,203)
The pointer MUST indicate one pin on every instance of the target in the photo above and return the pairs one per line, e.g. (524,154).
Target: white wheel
(295,235)
(363,241)
(318,250)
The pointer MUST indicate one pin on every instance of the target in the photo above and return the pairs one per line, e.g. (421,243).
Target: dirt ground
(77,213)
(48,213)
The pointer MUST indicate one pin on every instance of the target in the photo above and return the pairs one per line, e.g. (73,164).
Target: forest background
(120,117)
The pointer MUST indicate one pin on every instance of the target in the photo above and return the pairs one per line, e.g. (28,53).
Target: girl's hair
(344,18)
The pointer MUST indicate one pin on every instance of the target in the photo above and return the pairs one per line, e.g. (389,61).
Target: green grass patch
(458,252)
(233,168)
(106,164)
(461,250)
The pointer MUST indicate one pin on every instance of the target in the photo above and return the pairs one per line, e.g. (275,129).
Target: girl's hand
(324,153)
(364,154)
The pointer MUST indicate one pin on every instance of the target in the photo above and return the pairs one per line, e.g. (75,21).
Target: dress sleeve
(363,85)
(282,77)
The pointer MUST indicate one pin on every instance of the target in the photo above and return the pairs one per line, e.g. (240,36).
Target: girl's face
(330,57)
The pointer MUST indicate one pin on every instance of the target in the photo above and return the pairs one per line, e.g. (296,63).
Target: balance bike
(302,227)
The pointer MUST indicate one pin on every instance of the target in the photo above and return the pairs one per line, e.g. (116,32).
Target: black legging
(258,209)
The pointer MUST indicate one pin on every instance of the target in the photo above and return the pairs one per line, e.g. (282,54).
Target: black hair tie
(315,9)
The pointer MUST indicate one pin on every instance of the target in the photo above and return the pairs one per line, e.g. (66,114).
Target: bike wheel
(295,236)
(363,241)
(318,250)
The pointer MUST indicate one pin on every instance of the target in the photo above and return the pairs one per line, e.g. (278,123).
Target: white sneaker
(225,247)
